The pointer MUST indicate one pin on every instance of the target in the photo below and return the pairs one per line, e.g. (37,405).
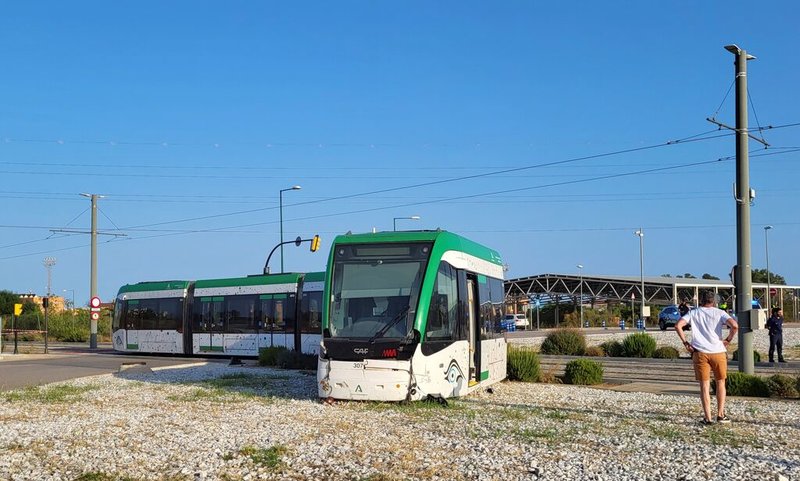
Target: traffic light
(315,243)
(17,309)
(45,302)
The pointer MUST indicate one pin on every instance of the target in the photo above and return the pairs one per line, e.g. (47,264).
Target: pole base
(93,341)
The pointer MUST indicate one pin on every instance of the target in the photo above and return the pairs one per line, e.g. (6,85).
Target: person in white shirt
(709,350)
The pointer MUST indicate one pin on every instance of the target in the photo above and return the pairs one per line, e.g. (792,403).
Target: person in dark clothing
(775,326)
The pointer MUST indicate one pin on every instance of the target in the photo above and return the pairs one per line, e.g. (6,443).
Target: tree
(688,276)
(666,275)
(760,276)
(30,307)
(7,301)
(710,277)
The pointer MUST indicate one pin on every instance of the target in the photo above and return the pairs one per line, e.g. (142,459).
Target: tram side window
(209,314)
(443,309)
(143,314)
(241,313)
(119,308)
(277,312)
(491,293)
(170,314)
(311,312)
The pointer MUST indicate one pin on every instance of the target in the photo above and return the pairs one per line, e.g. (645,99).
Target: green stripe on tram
(484,375)
(132,346)
(212,349)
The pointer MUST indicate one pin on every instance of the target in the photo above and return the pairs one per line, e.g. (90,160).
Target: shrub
(565,342)
(296,360)
(613,348)
(639,344)
(584,372)
(741,384)
(268,356)
(781,385)
(666,352)
(594,351)
(756,355)
(523,365)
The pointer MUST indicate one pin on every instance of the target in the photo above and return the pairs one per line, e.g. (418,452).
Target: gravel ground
(217,422)
(791,340)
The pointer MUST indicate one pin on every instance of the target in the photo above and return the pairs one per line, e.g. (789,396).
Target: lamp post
(280,207)
(766,248)
(580,270)
(73,296)
(49,262)
(394,221)
(640,234)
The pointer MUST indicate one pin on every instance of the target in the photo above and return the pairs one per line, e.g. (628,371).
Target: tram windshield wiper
(400,315)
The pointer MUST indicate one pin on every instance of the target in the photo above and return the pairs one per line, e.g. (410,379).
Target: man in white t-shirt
(709,350)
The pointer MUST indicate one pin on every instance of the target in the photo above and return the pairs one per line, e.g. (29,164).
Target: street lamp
(280,204)
(766,248)
(580,269)
(394,221)
(73,296)
(640,233)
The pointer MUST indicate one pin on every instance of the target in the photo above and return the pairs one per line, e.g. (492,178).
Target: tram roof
(146,286)
(256,280)
(449,241)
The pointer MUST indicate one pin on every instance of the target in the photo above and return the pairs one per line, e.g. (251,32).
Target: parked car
(520,321)
(668,317)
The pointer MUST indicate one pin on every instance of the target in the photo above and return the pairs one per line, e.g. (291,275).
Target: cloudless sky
(183,110)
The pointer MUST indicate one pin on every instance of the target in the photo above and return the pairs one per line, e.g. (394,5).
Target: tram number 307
(359,365)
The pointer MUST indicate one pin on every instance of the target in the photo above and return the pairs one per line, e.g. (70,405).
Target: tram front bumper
(369,380)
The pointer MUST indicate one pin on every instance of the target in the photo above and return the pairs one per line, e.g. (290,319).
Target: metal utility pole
(49,262)
(744,280)
(93,268)
(640,234)
(93,264)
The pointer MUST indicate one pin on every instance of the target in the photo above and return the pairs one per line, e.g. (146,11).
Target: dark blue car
(668,317)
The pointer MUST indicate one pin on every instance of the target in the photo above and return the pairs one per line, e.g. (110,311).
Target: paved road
(65,363)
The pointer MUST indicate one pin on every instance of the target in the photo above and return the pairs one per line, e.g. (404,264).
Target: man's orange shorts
(705,363)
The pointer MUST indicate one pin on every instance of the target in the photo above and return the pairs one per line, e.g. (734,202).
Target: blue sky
(180,110)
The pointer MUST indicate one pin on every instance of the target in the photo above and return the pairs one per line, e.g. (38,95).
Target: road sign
(95,302)
(17,309)
(773,291)
(95,316)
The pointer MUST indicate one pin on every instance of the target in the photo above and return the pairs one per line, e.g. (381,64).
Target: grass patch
(669,433)
(722,436)
(269,457)
(61,393)
(99,476)
(202,394)
(537,435)
(556,414)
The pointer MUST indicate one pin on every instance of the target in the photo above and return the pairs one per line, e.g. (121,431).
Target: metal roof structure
(657,290)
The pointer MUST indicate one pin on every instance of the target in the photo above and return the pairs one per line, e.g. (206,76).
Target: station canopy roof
(657,290)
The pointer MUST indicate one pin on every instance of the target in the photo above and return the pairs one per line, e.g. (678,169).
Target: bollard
(15,342)
(604,324)
(585,323)
(622,324)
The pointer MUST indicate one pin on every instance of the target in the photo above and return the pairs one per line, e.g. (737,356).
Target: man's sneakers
(781,360)
(720,420)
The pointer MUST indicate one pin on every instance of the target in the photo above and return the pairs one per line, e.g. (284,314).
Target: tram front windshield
(375,289)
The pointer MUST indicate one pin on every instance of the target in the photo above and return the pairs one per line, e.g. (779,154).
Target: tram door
(473,328)
(211,325)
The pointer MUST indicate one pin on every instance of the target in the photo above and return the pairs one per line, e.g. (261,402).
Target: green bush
(584,372)
(756,355)
(523,365)
(613,348)
(666,352)
(639,344)
(741,384)
(781,385)
(565,342)
(268,356)
(594,351)
(296,360)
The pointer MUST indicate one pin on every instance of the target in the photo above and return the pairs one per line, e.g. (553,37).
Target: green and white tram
(409,315)
(225,317)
